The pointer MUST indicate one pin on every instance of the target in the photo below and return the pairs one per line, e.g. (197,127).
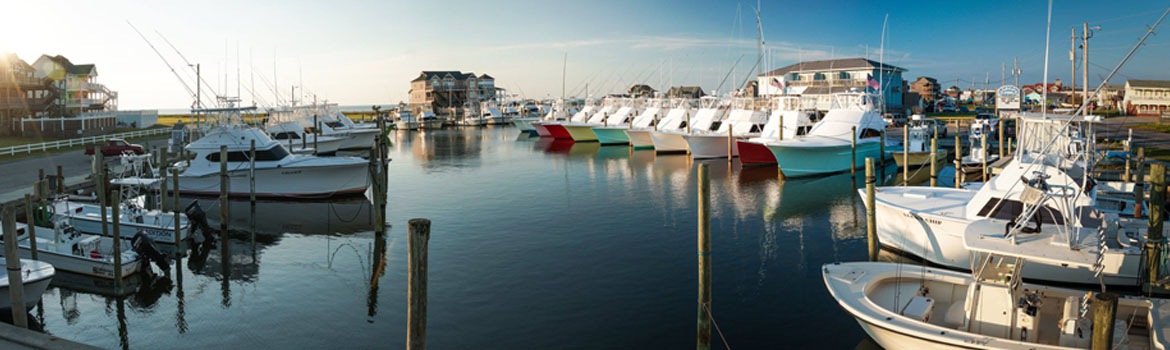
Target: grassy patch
(1153,127)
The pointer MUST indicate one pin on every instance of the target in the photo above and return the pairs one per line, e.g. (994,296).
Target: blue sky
(365,52)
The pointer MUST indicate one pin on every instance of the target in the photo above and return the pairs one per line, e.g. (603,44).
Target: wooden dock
(16,338)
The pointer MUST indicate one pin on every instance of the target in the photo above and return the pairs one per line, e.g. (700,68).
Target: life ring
(95,254)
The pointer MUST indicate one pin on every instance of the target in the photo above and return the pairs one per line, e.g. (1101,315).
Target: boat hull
(359,139)
(798,161)
(558,131)
(36,276)
(640,138)
(523,124)
(666,142)
(285,182)
(710,146)
(581,133)
(540,130)
(919,159)
(611,135)
(754,153)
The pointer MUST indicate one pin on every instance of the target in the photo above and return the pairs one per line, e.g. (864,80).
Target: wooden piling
(999,138)
(905,154)
(175,211)
(958,160)
(416,293)
(1154,241)
(1104,313)
(882,151)
(60,180)
(983,150)
(870,211)
(29,211)
(934,161)
(853,150)
(1139,184)
(252,187)
(704,318)
(1010,145)
(115,206)
(12,263)
(223,194)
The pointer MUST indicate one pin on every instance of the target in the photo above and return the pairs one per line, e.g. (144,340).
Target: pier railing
(52,145)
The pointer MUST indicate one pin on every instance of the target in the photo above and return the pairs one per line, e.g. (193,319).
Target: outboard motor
(146,249)
(197,220)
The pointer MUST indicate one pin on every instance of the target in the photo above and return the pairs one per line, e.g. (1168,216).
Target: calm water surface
(535,244)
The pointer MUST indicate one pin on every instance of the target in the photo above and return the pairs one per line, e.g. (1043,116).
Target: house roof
(70,68)
(11,60)
(457,75)
(485,76)
(1163,84)
(833,65)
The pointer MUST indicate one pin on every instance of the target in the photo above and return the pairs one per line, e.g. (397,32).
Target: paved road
(19,174)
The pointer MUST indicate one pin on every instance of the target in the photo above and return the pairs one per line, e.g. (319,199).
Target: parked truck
(115,147)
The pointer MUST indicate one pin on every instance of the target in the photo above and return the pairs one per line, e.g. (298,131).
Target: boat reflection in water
(337,216)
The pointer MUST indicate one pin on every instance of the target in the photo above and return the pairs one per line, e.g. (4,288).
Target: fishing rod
(164,59)
(725,76)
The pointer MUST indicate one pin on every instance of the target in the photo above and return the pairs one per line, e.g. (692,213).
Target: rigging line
(717,330)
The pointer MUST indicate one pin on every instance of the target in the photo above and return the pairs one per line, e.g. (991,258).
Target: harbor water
(535,244)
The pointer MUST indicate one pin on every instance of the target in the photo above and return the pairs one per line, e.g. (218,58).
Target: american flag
(779,84)
(872,83)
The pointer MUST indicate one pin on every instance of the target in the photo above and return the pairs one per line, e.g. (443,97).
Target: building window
(794,77)
(843,75)
(819,76)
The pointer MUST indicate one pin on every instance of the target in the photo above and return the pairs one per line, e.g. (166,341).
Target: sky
(366,52)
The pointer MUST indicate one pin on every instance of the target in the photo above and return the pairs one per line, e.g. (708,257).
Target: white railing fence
(51,145)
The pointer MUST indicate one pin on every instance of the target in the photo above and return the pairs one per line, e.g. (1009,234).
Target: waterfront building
(21,93)
(448,93)
(1146,97)
(78,91)
(823,78)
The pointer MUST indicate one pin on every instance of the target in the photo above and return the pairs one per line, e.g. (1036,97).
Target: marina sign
(1007,97)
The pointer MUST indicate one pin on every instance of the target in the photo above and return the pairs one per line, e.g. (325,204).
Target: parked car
(895,119)
(115,147)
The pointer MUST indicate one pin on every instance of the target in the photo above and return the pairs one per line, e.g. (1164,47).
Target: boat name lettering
(931,221)
(290,172)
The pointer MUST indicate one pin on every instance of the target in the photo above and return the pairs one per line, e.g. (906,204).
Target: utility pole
(1016,70)
(1085,63)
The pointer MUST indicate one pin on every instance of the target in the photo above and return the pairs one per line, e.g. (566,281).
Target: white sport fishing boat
(670,136)
(744,121)
(828,147)
(1040,201)
(611,129)
(791,117)
(277,173)
(639,133)
(294,137)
